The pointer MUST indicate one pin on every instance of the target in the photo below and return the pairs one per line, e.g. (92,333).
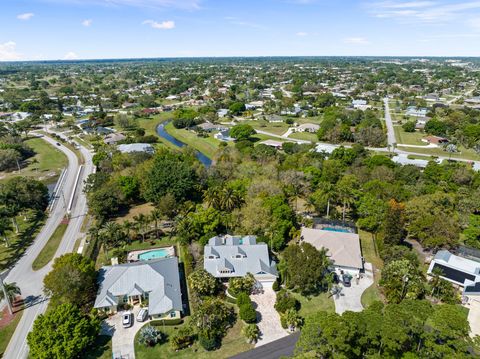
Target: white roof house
(157,280)
(343,248)
(458,270)
(235,256)
(136,147)
(308,127)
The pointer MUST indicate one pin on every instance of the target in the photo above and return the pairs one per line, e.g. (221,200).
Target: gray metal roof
(159,278)
(235,256)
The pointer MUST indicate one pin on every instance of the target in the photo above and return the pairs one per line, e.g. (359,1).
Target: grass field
(464,153)
(409,138)
(47,252)
(277,128)
(145,208)
(45,166)
(7,331)
(233,343)
(311,305)
(307,136)
(207,145)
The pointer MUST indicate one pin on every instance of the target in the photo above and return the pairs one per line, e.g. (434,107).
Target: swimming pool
(154,254)
(332,229)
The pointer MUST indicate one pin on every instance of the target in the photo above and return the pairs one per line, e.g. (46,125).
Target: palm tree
(112,235)
(128,226)
(142,221)
(155,216)
(5,226)
(212,197)
(229,199)
(9,292)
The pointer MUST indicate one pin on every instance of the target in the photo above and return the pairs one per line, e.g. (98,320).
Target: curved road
(31,282)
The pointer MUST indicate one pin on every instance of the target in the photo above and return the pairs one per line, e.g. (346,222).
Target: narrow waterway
(164,134)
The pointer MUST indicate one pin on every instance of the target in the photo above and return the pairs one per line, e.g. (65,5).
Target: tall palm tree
(9,292)
(112,235)
(212,197)
(155,217)
(142,221)
(5,226)
(128,226)
(229,199)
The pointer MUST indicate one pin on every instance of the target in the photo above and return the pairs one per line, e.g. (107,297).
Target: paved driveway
(473,305)
(122,338)
(268,319)
(350,297)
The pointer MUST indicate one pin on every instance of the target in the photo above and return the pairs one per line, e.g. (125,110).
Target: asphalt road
(391,140)
(31,282)
(278,349)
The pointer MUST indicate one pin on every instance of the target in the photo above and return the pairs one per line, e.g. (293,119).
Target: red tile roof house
(436,140)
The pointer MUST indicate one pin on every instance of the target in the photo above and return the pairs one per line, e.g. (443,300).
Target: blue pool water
(331,229)
(153,254)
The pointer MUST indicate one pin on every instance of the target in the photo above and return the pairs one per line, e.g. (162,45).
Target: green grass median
(47,252)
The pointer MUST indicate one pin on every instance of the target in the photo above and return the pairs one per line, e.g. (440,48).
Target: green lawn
(47,252)
(45,166)
(369,252)
(206,145)
(311,305)
(464,153)
(7,331)
(277,128)
(304,136)
(233,343)
(102,348)
(409,138)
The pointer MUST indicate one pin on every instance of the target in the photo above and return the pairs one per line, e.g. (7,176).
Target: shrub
(409,126)
(286,301)
(247,313)
(251,333)
(243,298)
(241,284)
(208,342)
(276,286)
(183,338)
(149,336)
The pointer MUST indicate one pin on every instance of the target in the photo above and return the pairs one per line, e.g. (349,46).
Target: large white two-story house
(156,281)
(235,256)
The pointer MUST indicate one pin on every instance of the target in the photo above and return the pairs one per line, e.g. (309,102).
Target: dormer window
(212,257)
(239,256)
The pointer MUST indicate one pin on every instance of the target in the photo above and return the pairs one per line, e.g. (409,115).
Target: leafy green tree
(306,268)
(183,338)
(409,126)
(211,318)
(63,332)
(203,283)
(394,226)
(242,132)
(285,301)
(244,284)
(236,108)
(172,173)
(472,232)
(292,319)
(402,279)
(71,280)
(247,312)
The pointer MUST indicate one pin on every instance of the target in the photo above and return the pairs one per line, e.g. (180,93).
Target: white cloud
(70,56)
(155,4)
(25,16)
(356,41)
(87,22)
(8,52)
(164,25)
(424,11)
(301,33)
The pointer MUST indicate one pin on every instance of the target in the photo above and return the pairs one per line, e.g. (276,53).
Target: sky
(98,29)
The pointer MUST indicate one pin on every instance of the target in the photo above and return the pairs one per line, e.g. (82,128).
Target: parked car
(346,280)
(142,315)
(58,144)
(127,319)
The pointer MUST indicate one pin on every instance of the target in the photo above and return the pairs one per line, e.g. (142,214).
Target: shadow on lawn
(24,239)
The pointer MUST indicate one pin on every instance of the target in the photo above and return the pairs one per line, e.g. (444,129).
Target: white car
(142,315)
(127,319)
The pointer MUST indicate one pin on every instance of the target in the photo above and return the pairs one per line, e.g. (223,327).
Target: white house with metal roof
(235,256)
(157,281)
(458,270)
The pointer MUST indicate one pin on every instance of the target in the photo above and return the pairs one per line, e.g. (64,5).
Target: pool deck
(133,255)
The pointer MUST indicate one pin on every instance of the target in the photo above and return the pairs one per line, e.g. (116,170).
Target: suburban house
(416,112)
(360,105)
(156,281)
(210,127)
(436,140)
(308,127)
(458,270)
(223,136)
(343,248)
(113,138)
(235,256)
(272,143)
(136,147)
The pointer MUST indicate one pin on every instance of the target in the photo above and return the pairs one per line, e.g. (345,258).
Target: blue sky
(91,29)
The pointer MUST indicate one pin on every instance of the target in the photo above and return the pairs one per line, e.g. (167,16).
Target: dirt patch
(135,211)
